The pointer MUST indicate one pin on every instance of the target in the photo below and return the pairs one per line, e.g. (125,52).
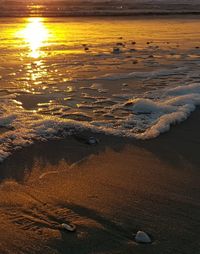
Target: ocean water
(121,76)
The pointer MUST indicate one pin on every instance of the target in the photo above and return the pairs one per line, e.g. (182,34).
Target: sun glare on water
(35,35)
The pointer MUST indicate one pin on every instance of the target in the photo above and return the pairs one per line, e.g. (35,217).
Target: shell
(68,227)
(142,237)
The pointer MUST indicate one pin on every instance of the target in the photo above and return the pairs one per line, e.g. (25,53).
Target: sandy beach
(109,191)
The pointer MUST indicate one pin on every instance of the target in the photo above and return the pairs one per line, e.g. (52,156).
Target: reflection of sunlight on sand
(35,34)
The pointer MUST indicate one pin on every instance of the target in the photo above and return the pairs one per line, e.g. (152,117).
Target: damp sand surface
(109,191)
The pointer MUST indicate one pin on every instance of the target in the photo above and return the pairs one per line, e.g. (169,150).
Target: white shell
(142,237)
(68,227)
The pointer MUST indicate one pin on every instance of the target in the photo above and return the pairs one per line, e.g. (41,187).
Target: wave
(147,118)
(175,107)
(140,74)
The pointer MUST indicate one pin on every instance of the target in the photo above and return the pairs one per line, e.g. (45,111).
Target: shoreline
(109,140)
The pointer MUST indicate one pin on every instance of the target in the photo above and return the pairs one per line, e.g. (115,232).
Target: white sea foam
(22,128)
(145,118)
(174,106)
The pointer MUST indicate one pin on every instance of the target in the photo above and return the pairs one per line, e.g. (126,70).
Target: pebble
(116,50)
(92,141)
(120,44)
(142,237)
(68,227)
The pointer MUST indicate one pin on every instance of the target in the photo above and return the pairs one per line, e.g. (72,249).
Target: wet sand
(109,191)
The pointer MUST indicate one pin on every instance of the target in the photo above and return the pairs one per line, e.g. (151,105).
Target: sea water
(131,76)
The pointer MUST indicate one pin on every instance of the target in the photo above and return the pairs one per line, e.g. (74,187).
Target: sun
(35,34)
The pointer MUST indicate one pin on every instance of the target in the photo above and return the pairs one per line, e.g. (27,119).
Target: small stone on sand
(120,44)
(68,227)
(135,62)
(142,237)
(92,141)
(116,50)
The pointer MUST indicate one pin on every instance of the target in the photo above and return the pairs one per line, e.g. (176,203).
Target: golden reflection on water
(35,34)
